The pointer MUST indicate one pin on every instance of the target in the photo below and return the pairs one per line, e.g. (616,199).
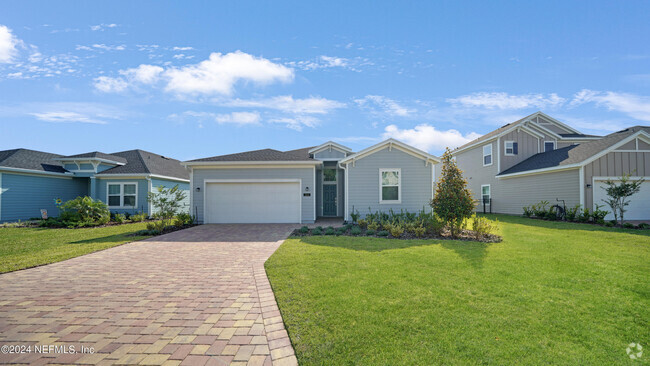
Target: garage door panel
(264,202)
(639,208)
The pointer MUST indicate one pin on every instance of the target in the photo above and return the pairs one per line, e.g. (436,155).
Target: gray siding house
(540,158)
(300,186)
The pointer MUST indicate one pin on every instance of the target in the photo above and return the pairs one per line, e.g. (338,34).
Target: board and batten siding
(527,144)
(516,192)
(615,164)
(185,187)
(329,154)
(143,188)
(306,175)
(23,195)
(363,182)
(471,164)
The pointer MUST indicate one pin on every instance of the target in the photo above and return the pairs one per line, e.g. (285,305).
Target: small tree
(453,202)
(619,193)
(167,202)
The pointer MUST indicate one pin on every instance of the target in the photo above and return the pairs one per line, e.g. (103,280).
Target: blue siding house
(30,181)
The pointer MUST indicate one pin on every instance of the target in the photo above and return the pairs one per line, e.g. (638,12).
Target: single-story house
(31,181)
(302,185)
(540,158)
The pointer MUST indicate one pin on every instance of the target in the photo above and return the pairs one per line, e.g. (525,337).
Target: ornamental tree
(166,202)
(618,194)
(453,201)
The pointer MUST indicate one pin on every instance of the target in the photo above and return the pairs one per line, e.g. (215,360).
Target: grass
(29,247)
(550,293)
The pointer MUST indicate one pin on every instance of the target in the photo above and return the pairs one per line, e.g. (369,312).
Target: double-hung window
(487,155)
(390,185)
(511,148)
(122,194)
(485,194)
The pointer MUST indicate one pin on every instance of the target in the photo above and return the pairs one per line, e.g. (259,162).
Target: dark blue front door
(329,199)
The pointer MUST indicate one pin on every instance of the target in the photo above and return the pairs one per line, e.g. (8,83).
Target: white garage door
(639,208)
(252,202)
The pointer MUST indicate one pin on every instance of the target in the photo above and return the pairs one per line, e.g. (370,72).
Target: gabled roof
(144,162)
(95,155)
(573,156)
(263,155)
(390,143)
(329,144)
(578,135)
(31,160)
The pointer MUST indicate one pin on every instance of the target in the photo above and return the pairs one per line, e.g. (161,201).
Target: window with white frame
(329,176)
(122,194)
(549,146)
(487,155)
(485,194)
(390,190)
(511,148)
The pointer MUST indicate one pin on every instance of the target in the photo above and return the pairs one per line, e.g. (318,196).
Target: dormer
(88,164)
(330,151)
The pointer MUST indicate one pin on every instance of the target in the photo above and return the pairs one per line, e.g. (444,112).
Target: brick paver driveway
(198,297)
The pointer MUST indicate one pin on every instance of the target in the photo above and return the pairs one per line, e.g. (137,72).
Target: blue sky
(197,79)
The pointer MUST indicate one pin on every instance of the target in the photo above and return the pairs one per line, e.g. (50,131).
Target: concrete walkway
(194,297)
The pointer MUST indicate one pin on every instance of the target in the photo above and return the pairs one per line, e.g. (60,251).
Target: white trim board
(121,206)
(331,145)
(390,144)
(140,176)
(399,187)
(35,172)
(251,164)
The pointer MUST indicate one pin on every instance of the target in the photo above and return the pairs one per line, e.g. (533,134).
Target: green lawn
(28,247)
(550,293)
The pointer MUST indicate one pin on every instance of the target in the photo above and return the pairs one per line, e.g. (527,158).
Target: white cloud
(109,47)
(286,103)
(66,117)
(145,74)
(382,105)
(110,85)
(239,118)
(182,48)
(102,27)
(219,73)
(428,138)
(297,122)
(635,106)
(328,62)
(507,101)
(8,43)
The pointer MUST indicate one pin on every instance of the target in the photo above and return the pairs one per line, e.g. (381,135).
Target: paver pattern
(193,297)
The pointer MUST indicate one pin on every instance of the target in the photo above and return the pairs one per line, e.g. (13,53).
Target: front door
(329,199)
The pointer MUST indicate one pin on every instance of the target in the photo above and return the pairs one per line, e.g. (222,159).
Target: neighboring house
(31,180)
(540,158)
(299,186)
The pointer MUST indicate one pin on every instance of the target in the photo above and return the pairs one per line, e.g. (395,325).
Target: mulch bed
(465,235)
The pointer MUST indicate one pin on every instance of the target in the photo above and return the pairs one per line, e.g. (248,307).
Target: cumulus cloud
(382,105)
(110,85)
(66,117)
(507,101)
(635,106)
(8,45)
(428,138)
(145,74)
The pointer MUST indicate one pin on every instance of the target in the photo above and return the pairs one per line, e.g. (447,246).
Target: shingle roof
(262,155)
(493,133)
(100,155)
(572,154)
(570,135)
(31,159)
(144,162)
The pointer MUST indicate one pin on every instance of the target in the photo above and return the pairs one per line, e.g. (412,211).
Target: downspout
(345,192)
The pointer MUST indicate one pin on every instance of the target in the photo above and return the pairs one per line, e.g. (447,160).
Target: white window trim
(554,145)
(505,148)
(490,154)
(330,182)
(399,186)
(121,184)
(489,193)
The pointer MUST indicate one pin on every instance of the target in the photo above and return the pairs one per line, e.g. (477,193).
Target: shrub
(146,232)
(370,232)
(354,215)
(572,213)
(539,209)
(363,223)
(433,225)
(138,217)
(618,194)
(156,226)
(167,202)
(528,212)
(373,225)
(550,215)
(420,231)
(609,224)
(585,215)
(317,231)
(382,233)
(85,209)
(483,227)
(330,231)
(452,202)
(341,231)
(628,225)
(183,219)
(355,231)
(643,225)
(396,230)
(119,218)
(304,230)
(599,215)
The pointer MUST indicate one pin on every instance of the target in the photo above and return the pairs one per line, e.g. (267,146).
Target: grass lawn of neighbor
(550,293)
(28,247)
